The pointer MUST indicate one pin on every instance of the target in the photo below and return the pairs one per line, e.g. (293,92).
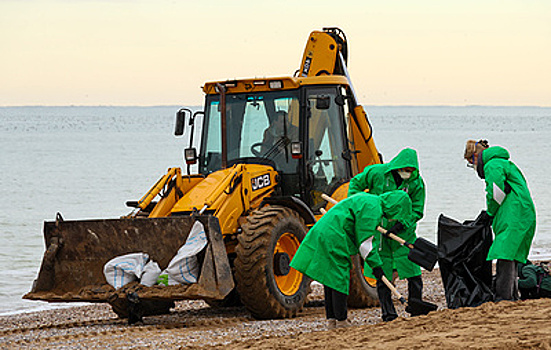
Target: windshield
(259,125)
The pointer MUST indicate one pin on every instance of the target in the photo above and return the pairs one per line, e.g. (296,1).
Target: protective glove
(485,218)
(397,227)
(378,273)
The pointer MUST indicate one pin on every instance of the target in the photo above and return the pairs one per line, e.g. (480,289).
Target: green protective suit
(533,277)
(324,254)
(379,179)
(509,202)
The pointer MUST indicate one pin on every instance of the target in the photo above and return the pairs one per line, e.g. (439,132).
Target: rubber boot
(385,299)
(415,291)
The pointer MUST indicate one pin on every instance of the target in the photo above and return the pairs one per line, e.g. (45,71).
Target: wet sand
(195,325)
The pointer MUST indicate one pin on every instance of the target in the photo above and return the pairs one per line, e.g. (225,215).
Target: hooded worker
(534,280)
(345,230)
(510,209)
(401,173)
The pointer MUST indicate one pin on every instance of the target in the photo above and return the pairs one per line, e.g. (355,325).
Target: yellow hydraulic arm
(325,54)
(159,185)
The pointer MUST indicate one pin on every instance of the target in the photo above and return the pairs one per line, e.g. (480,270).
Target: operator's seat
(277,138)
(278,128)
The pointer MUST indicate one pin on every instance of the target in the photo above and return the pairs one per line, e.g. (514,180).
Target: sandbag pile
(184,268)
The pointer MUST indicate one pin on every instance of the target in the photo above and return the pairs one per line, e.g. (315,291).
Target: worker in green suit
(510,210)
(401,173)
(534,280)
(345,230)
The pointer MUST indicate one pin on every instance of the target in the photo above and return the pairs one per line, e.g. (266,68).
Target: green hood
(406,158)
(396,205)
(493,153)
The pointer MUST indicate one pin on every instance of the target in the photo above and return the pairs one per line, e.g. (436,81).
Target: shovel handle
(393,289)
(394,237)
(329,199)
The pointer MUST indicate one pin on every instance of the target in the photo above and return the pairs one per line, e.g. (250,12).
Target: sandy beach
(195,325)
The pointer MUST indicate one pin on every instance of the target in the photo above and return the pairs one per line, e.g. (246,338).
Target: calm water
(86,162)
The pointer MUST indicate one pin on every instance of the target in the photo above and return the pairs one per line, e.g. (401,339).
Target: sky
(144,53)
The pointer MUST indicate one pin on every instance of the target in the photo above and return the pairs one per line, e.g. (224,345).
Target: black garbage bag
(462,251)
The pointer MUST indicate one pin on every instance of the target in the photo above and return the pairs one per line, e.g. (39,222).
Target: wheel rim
(290,283)
(371,281)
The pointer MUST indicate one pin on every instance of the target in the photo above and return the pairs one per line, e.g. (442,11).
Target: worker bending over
(401,173)
(510,209)
(345,230)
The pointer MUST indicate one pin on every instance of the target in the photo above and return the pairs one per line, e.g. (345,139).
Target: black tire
(269,291)
(361,294)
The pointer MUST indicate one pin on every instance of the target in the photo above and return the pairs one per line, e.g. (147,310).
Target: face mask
(405,175)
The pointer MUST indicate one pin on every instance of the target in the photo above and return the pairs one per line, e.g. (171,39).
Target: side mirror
(180,122)
(340,100)
(323,102)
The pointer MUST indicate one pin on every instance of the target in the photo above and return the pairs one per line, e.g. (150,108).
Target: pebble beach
(196,325)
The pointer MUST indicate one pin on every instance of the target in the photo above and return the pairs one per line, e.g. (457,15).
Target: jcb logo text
(261,182)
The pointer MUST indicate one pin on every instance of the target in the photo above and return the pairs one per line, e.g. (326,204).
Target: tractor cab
(295,126)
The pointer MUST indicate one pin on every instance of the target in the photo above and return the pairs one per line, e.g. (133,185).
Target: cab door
(326,164)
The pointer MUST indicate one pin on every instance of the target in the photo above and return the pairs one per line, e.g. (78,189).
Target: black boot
(385,299)
(415,291)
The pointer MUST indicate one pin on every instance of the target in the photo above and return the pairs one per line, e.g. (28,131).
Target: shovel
(414,306)
(423,252)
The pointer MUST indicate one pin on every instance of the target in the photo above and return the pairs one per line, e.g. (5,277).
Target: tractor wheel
(268,286)
(363,291)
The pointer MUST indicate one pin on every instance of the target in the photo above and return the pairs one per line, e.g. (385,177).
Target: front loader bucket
(76,251)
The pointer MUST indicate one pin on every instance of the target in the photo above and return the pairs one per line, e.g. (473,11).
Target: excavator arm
(326,53)
(321,55)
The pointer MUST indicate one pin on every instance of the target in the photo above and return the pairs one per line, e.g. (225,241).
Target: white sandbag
(125,269)
(150,274)
(165,280)
(184,267)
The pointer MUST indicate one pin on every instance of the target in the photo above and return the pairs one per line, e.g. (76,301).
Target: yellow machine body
(253,231)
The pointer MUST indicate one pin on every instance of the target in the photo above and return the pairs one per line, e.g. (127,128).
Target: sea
(85,162)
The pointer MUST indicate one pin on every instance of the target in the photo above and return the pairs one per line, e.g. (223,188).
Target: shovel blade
(424,254)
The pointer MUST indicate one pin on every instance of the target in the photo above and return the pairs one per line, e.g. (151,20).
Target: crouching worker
(534,281)
(345,230)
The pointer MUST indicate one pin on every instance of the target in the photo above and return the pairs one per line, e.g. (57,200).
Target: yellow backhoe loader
(269,147)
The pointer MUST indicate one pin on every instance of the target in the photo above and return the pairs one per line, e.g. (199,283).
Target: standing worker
(510,209)
(345,230)
(401,173)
